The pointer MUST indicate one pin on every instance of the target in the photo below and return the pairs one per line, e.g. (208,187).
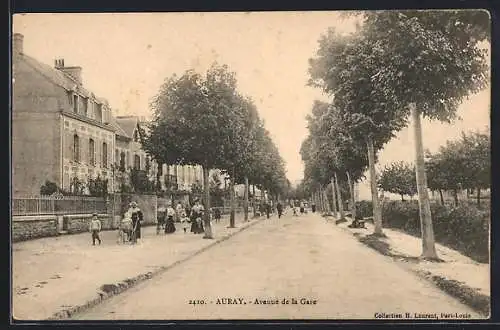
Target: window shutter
(84,150)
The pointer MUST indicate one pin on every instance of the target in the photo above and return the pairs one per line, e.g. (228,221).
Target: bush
(364,208)
(49,188)
(463,228)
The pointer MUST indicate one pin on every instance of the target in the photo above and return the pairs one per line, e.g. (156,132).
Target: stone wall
(31,227)
(79,223)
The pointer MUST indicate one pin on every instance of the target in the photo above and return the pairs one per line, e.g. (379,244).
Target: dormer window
(75,103)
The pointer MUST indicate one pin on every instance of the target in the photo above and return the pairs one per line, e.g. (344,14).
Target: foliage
(98,187)
(461,164)
(463,228)
(49,188)
(140,182)
(398,178)
(364,209)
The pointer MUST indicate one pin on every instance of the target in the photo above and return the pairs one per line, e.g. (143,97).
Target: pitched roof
(58,77)
(127,124)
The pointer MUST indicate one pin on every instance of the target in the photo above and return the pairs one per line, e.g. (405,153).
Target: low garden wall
(36,226)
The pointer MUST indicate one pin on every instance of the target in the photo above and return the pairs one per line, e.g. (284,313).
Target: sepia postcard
(308,165)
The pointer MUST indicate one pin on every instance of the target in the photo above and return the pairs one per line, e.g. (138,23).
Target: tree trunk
(334,209)
(428,243)
(339,198)
(455,196)
(478,197)
(232,201)
(254,201)
(441,196)
(206,183)
(321,203)
(402,198)
(327,202)
(245,201)
(353,198)
(377,214)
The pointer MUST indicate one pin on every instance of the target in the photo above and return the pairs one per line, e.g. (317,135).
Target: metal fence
(41,205)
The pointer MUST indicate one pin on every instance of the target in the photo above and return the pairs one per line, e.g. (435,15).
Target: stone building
(60,130)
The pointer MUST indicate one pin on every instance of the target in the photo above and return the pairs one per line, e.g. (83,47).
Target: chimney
(73,71)
(17,43)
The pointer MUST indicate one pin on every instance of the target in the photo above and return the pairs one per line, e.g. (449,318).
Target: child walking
(95,228)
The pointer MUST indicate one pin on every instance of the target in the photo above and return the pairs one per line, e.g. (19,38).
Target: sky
(126,57)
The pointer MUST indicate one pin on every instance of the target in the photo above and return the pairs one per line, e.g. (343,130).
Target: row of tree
(204,120)
(464,164)
(397,66)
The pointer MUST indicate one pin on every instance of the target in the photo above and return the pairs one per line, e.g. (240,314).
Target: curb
(110,290)
(465,294)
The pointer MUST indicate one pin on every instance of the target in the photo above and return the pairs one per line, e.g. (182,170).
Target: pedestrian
(95,228)
(160,219)
(196,218)
(137,218)
(184,221)
(313,207)
(217,214)
(302,208)
(179,210)
(279,208)
(268,209)
(169,223)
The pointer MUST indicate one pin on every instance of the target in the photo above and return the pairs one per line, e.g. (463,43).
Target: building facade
(61,132)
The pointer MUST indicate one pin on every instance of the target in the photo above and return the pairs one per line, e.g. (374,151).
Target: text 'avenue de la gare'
(255,301)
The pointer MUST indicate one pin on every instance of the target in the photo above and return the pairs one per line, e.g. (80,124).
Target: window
(137,162)
(98,112)
(117,157)
(91,152)
(104,155)
(85,102)
(75,103)
(122,161)
(76,148)
(70,98)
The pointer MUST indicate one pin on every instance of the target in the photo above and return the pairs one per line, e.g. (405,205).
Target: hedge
(463,228)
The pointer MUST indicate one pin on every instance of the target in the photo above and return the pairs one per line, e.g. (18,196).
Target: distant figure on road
(137,217)
(313,207)
(268,209)
(196,218)
(217,214)
(161,214)
(178,211)
(279,208)
(302,209)
(169,223)
(95,228)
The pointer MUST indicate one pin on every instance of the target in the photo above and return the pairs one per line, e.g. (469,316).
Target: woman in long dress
(170,225)
(137,217)
(196,218)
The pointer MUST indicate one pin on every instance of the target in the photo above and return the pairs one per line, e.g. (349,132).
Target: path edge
(467,295)
(129,283)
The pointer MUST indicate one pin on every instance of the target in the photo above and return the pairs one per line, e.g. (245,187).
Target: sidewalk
(59,275)
(458,275)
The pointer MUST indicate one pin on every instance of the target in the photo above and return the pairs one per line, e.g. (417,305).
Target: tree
(426,64)
(195,122)
(398,178)
(98,187)
(49,188)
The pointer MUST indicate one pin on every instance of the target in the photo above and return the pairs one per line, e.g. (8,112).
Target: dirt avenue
(305,268)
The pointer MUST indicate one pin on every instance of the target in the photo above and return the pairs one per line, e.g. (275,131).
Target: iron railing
(41,205)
